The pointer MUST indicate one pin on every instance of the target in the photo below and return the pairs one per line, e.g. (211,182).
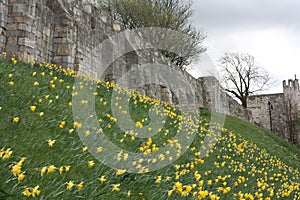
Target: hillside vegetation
(45,150)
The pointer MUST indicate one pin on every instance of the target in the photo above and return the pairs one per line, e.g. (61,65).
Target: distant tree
(242,76)
(171,14)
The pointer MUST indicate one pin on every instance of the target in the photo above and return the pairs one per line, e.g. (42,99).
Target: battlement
(291,85)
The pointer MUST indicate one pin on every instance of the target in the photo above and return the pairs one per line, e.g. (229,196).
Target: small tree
(170,14)
(242,76)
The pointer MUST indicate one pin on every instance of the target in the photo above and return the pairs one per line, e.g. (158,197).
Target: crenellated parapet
(291,86)
(279,112)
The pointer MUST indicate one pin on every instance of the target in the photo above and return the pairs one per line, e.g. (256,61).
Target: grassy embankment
(42,155)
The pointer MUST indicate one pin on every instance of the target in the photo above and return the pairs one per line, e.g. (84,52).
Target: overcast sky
(267,29)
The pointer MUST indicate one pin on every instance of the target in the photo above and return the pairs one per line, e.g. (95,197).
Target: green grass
(263,138)
(246,161)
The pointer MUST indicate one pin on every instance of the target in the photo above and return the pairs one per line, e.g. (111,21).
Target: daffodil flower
(70,184)
(102,179)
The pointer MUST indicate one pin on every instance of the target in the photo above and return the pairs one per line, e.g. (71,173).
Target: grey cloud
(220,14)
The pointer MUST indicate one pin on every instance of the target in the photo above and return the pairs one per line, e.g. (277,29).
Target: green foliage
(169,14)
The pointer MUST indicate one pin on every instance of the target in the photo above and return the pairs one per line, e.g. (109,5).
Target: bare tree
(242,76)
(170,14)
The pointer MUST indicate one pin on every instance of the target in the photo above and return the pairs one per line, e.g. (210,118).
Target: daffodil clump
(43,157)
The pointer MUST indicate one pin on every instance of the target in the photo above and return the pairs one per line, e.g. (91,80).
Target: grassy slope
(265,139)
(237,164)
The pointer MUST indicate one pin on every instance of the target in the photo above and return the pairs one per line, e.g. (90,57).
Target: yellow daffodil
(70,184)
(120,172)
(102,179)
(21,177)
(61,169)
(43,171)
(7,154)
(214,197)
(115,187)
(32,108)
(80,186)
(87,132)
(36,191)
(51,143)
(51,169)
(62,124)
(67,168)
(27,192)
(158,179)
(84,149)
(203,194)
(139,124)
(16,119)
(99,149)
(91,164)
(16,170)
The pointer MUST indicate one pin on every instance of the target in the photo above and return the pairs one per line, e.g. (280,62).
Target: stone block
(12,27)
(10,20)
(2,40)
(26,42)
(12,41)
(67,59)
(61,40)
(60,34)
(117,27)
(3,24)
(57,59)
(47,31)
(60,29)
(63,49)
(24,27)
(20,8)
(2,7)
(88,8)
(12,48)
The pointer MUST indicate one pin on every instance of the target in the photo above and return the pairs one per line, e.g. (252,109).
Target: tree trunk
(244,102)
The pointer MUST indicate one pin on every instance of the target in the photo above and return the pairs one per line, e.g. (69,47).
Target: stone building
(278,112)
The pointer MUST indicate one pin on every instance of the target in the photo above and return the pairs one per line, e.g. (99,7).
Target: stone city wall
(279,112)
(65,32)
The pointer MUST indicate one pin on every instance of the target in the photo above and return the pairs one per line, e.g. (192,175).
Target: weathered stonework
(55,31)
(278,112)
(65,32)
